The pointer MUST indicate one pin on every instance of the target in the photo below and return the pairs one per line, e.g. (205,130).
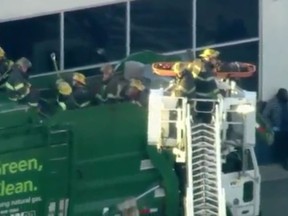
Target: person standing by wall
(276,113)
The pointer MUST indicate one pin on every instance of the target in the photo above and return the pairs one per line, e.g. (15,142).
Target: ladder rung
(199,149)
(204,169)
(207,139)
(200,132)
(205,205)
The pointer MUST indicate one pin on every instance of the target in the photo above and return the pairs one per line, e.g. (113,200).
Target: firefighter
(206,85)
(184,84)
(64,92)
(77,80)
(136,92)
(72,97)
(113,86)
(18,86)
(5,68)
(107,74)
(80,89)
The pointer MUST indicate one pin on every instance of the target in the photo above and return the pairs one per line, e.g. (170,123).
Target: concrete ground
(274,191)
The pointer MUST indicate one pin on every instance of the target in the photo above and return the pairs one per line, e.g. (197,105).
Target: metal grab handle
(53,57)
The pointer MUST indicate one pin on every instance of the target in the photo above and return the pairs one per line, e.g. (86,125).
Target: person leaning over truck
(72,97)
(5,68)
(101,89)
(112,87)
(77,80)
(18,87)
(136,92)
(80,89)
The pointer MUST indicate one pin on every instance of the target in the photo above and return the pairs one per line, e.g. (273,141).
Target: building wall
(14,9)
(274,55)
(85,37)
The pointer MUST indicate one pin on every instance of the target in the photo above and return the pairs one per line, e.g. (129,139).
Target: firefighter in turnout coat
(18,86)
(73,94)
(206,86)
(113,86)
(5,67)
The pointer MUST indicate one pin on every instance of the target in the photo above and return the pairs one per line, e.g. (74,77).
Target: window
(236,161)
(161,25)
(247,52)
(248,191)
(226,20)
(95,35)
(33,38)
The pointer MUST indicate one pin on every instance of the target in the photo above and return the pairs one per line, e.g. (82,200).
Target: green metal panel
(22,181)
(107,153)
(32,171)
(91,157)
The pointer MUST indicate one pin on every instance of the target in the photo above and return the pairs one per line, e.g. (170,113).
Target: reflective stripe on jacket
(17,92)
(17,84)
(206,86)
(185,86)
(5,69)
(78,99)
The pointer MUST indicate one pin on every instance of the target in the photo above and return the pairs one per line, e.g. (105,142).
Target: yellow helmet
(2,52)
(63,87)
(137,84)
(209,53)
(79,77)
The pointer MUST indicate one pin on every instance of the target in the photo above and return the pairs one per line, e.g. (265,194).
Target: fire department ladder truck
(195,144)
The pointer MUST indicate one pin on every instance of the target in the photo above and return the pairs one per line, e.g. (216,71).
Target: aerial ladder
(204,158)
(197,145)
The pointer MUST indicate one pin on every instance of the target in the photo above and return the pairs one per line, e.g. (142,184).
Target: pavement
(273,172)
(274,191)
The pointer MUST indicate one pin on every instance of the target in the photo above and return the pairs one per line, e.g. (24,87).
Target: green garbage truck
(121,159)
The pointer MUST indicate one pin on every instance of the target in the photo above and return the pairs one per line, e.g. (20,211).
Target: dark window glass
(226,20)
(247,52)
(161,25)
(248,190)
(33,38)
(95,35)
